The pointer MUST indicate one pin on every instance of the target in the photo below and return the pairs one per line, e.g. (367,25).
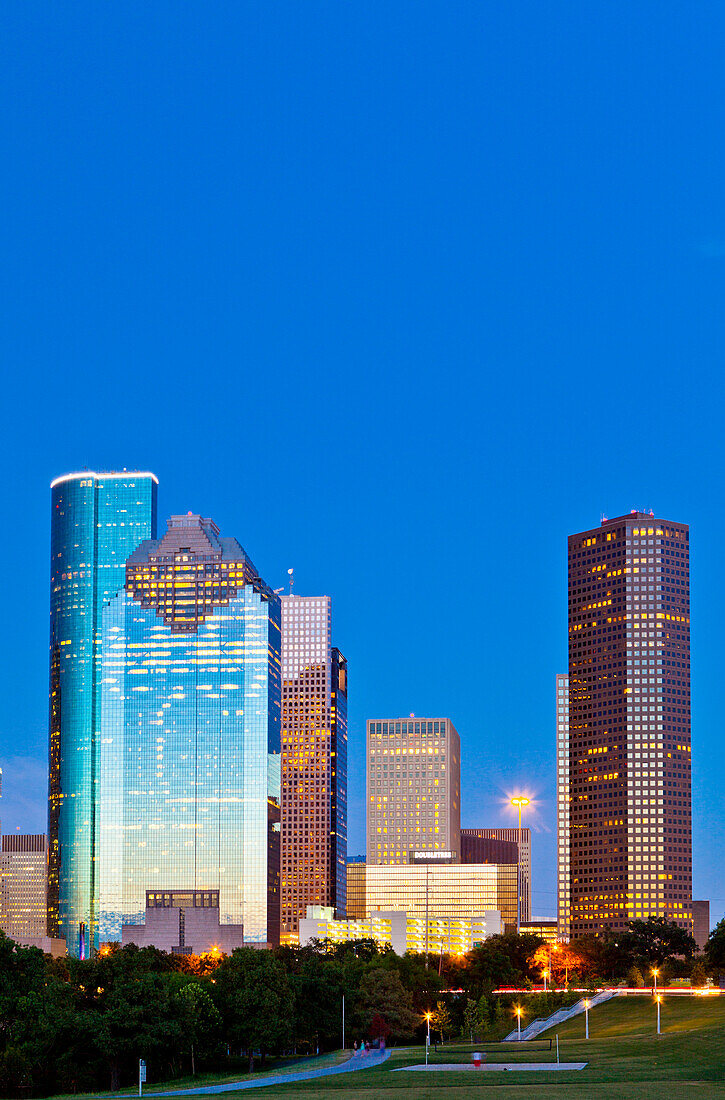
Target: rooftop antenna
(291,580)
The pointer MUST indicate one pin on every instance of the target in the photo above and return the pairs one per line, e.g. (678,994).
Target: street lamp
(655,972)
(546,975)
(427,1040)
(586,1019)
(519,802)
(658,998)
(519,1011)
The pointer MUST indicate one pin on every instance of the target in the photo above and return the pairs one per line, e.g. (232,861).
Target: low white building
(403,931)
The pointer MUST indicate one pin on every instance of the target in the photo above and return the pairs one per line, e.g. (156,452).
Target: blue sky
(401,294)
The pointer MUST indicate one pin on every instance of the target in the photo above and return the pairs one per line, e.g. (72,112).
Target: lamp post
(519,802)
(546,975)
(658,998)
(586,1019)
(655,972)
(518,1010)
(427,1038)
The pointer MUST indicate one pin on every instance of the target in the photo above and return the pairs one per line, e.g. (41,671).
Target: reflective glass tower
(190,756)
(97,520)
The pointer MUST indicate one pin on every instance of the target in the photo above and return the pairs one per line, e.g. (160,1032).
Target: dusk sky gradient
(400,294)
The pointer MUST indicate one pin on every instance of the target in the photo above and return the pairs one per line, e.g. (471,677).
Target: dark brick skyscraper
(630,842)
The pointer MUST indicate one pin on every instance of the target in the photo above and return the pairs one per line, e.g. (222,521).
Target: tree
(698,977)
(635,977)
(253,994)
(440,1018)
(715,946)
(382,993)
(199,1017)
(656,940)
(471,1018)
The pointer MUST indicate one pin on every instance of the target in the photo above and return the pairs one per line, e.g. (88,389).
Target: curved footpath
(355,1062)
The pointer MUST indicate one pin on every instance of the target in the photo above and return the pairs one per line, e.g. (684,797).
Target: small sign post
(141,1074)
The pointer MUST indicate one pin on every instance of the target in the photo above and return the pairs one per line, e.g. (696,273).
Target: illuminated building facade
(562,805)
(314,762)
(97,520)
(442,889)
(190,754)
(470,850)
(403,932)
(630,848)
(23,886)
(356,888)
(548,930)
(414,788)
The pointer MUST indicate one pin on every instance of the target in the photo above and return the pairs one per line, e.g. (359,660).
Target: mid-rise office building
(630,850)
(356,888)
(314,762)
(562,806)
(402,931)
(414,788)
(97,520)
(189,775)
(184,922)
(23,886)
(432,885)
(472,841)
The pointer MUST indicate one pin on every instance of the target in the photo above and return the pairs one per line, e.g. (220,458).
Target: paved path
(357,1061)
(457,1066)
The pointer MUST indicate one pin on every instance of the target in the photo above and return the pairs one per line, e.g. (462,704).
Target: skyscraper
(562,805)
(414,788)
(502,842)
(314,762)
(190,758)
(630,847)
(97,519)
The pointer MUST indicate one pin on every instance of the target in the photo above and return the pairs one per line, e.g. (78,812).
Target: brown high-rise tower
(630,843)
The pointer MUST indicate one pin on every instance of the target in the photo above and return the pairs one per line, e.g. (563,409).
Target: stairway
(536,1027)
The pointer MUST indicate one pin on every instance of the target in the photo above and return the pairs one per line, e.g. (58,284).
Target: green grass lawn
(626,1060)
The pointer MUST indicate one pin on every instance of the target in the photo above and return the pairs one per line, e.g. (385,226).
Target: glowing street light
(519,802)
(519,1012)
(658,998)
(546,975)
(586,1019)
(427,1039)
(655,972)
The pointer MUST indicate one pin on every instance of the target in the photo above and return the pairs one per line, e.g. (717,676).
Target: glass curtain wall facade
(506,836)
(630,845)
(414,788)
(190,760)
(97,520)
(314,762)
(447,890)
(562,805)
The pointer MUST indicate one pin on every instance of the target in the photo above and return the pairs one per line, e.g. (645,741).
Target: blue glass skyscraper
(190,753)
(97,520)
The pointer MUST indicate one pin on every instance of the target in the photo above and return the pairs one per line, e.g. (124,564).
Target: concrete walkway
(542,1067)
(355,1062)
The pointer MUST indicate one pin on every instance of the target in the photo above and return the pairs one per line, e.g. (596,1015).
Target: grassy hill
(627,1061)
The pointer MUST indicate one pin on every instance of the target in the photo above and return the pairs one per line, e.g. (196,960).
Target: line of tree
(68,1025)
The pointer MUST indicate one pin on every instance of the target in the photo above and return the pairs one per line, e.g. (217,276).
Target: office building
(562,805)
(547,930)
(356,888)
(184,922)
(630,850)
(23,886)
(402,931)
(189,773)
(314,762)
(470,839)
(433,885)
(701,923)
(97,520)
(414,788)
